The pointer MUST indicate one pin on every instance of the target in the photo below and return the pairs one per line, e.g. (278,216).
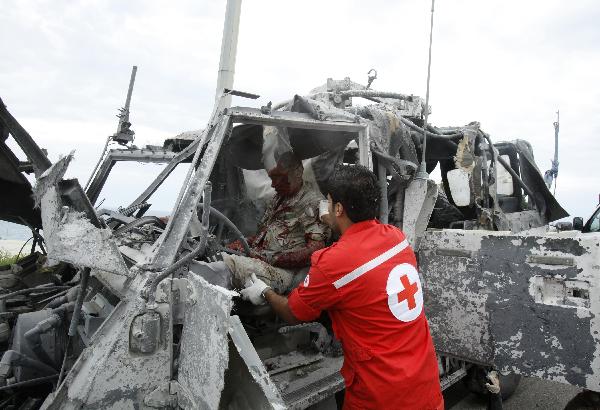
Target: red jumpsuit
(368,283)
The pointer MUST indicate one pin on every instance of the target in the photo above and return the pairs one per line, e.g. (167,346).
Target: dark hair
(289,161)
(356,188)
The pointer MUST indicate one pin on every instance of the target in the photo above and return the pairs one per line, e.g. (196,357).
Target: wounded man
(289,232)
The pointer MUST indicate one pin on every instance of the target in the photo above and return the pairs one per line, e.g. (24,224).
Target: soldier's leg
(243,267)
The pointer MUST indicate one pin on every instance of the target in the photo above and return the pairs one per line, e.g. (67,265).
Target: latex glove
(254,291)
(494,385)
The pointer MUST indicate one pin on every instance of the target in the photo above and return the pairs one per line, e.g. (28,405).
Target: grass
(7,258)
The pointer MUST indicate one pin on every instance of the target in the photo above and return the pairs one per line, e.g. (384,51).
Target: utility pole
(228,52)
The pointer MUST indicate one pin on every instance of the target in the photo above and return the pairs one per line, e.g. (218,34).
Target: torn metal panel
(69,235)
(419,200)
(51,177)
(255,366)
(528,304)
(204,353)
(72,238)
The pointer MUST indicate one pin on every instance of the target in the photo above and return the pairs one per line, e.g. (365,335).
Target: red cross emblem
(405,294)
(409,292)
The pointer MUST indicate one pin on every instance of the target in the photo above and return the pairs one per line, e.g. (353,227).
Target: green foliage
(7,258)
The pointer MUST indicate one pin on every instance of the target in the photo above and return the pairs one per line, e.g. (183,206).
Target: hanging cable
(98,163)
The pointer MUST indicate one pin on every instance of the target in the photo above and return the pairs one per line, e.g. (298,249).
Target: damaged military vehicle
(114,311)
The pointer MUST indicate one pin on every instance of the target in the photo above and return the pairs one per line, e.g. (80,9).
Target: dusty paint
(204,353)
(540,320)
(70,237)
(107,375)
(255,365)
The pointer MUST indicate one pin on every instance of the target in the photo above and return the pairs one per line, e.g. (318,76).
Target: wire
(21,250)
(98,163)
(40,289)
(31,382)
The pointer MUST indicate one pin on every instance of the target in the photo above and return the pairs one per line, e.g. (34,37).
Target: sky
(508,64)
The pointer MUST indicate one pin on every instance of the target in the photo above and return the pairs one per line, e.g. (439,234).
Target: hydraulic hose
(415,127)
(32,290)
(85,275)
(27,383)
(151,300)
(239,235)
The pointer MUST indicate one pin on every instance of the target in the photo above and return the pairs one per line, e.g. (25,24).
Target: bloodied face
(286,178)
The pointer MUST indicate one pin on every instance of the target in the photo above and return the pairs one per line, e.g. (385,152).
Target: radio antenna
(422,173)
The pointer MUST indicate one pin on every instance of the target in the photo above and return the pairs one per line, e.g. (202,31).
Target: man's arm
(280,306)
(257,291)
(299,258)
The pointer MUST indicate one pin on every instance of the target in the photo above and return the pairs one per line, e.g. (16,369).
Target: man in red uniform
(368,283)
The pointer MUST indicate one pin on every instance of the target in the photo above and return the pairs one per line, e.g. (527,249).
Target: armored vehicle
(115,311)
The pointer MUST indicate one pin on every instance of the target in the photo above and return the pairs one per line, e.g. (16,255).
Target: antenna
(422,172)
(552,174)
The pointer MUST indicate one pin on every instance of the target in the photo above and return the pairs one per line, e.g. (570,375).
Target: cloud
(509,65)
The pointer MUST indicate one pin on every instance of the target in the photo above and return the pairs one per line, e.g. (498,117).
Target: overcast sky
(508,64)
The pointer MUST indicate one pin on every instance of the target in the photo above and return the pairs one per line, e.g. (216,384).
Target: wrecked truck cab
(137,338)
(147,332)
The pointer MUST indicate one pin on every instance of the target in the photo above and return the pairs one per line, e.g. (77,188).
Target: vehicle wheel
(475,382)
(584,400)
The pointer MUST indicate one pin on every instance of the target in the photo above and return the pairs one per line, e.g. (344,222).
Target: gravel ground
(531,394)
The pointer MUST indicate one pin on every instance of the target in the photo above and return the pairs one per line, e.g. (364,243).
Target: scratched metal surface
(527,304)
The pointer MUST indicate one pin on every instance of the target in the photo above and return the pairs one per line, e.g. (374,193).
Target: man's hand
(494,382)
(254,291)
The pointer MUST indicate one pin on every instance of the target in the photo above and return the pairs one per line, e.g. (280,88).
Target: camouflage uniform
(287,225)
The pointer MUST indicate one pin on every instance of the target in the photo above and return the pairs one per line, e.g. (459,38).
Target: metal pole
(556,127)
(555,162)
(382,176)
(552,174)
(125,117)
(228,52)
